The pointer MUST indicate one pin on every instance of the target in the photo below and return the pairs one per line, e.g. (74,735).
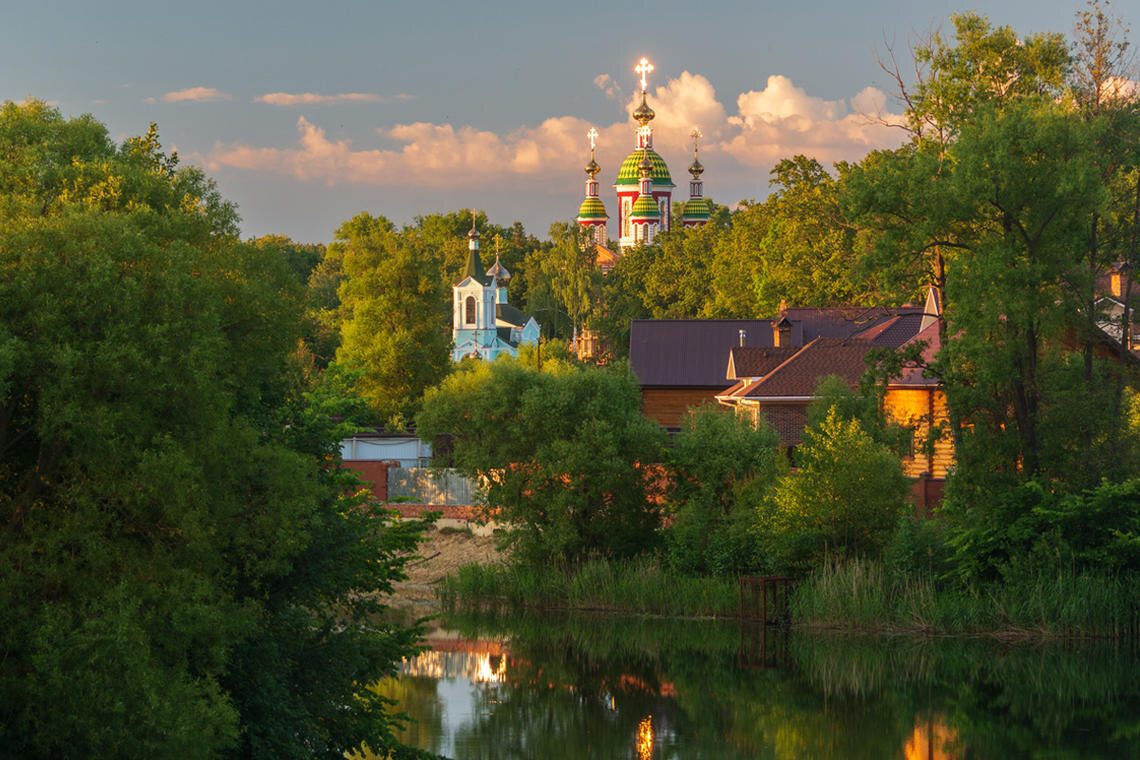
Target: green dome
(696,208)
(592,208)
(629,173)
(644,208)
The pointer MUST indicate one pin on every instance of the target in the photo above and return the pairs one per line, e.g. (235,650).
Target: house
(1110,290)
(680,363)
(779,384)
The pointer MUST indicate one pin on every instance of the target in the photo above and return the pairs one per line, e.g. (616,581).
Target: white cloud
(310,98)
(198,94)
(609,86)
(777,121)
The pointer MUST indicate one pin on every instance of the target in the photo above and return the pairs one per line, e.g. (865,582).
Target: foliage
(564,454)
(636,586)
(178,574)
(395,315)
(721,467)
(844,499)
(1031,530)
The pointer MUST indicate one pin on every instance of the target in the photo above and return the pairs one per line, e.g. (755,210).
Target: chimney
(782,333)
(743,335)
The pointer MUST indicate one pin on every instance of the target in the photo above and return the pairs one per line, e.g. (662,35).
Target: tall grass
(861,594)
(637,586)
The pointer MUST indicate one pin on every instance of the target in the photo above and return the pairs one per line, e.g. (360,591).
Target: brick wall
(374,474)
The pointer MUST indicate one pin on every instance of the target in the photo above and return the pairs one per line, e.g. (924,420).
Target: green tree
(564,455)
(174,547)
(721,466)
(844,498)
(395,315)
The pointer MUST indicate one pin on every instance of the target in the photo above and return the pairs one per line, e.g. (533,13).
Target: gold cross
(643,67)
(593,137)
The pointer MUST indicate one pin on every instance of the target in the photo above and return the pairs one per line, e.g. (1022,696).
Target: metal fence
(427,485)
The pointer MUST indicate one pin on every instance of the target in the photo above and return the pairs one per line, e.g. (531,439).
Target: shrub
(845,499)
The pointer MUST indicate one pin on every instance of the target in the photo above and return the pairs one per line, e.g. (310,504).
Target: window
(469,317)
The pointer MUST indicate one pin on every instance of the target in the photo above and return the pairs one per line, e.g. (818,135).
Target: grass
(634,586)
(860,594)
(853,595)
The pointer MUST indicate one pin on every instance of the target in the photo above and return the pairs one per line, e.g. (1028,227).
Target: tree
(178,575)
(721,466)
(844,499)
(564,455)
(395,317)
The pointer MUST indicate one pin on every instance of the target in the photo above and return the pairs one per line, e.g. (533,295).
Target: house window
(469,317)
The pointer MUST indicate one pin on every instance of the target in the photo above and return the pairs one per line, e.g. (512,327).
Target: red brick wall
(374,475)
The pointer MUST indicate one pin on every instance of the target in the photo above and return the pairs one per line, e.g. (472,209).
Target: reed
(861,594)
(636,586)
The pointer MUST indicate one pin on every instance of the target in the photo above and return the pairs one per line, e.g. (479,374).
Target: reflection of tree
(581,686)
(419,698)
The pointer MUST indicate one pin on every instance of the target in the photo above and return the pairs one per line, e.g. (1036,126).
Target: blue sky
(307,113)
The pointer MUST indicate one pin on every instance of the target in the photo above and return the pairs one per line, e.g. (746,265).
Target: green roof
(644,208)
(696,208)
(592,208)
(630,171)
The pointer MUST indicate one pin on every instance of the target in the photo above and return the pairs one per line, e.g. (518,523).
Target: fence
(426,485)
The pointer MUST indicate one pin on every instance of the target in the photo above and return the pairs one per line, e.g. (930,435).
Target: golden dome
(644,114)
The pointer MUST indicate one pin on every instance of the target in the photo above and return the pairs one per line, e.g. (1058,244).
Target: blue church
(484,325)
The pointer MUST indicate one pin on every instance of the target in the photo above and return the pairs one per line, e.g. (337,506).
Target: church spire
(643,114)
(696,210)
(474,263)
(592,214)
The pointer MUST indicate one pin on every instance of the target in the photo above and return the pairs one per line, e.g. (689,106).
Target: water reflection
(580,687)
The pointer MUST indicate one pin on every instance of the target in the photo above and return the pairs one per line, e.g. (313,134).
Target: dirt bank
(444,551)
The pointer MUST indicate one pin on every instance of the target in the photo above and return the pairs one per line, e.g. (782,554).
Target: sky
(306,114)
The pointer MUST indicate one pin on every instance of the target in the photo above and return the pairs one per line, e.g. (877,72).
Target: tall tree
(395,315)
(178,574)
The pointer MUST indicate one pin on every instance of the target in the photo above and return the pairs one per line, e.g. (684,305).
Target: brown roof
(914,376)
(692,352)
(799,375)
(689,352)
(757,361)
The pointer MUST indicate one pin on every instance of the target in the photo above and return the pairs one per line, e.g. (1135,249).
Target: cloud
(681,104)
(609,86)
(198,94)
(770,123)
(311,98)
(782,120)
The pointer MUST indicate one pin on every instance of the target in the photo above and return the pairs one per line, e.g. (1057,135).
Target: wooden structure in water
(766,599)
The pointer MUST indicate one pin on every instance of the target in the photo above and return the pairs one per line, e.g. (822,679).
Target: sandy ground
(442,553)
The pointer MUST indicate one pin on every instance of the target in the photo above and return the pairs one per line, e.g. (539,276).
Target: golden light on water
(492,668)
(645,738)
(481,667)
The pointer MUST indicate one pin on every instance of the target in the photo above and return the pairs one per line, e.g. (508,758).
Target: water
(583,686)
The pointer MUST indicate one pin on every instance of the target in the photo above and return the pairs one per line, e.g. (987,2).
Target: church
(484,325)
(644,187)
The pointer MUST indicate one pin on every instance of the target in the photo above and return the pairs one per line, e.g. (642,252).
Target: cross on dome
(643,68)
(592,136)
(696,135)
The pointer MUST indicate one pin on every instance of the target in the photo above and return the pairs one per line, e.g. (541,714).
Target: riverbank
(854,596)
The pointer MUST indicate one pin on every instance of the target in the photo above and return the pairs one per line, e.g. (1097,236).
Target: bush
(845,499)
(722,467)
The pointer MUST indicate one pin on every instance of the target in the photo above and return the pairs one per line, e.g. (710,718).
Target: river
(586,686)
